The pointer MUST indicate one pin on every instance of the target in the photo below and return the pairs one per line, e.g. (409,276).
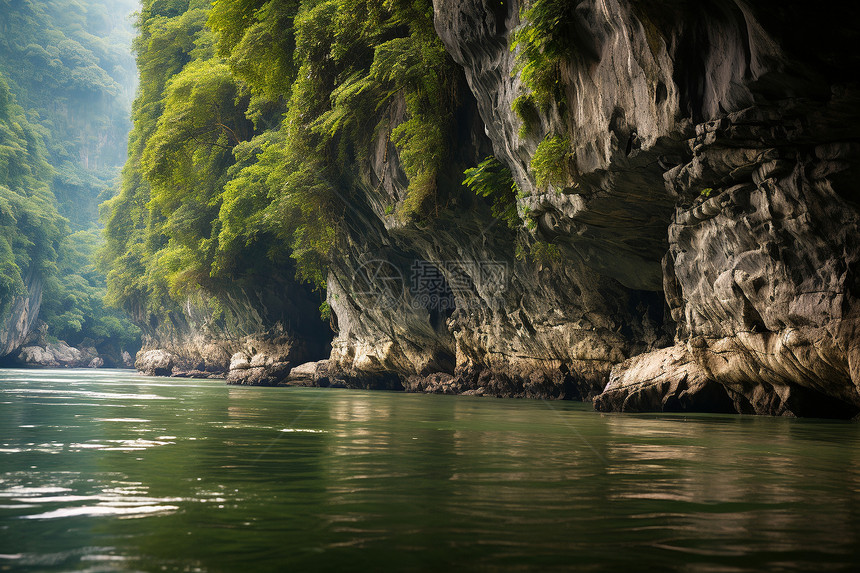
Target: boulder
(239,361)
(54,355)
(271,375)
(155,362)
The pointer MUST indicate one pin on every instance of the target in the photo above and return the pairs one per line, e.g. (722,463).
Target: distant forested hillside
(69,65)
(67,79)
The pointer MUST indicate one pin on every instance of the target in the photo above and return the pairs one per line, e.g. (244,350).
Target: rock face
(259,370)
(504,322)
(713,169)
(37,351)
(274,321)
(59,355)
(704,244)
(15,327)
(760,278)
(155,362)
(455,298)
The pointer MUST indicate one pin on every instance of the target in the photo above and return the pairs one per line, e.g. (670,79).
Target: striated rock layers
(271,322)
(16,326)
(700,254)
(715,155)
(711,168)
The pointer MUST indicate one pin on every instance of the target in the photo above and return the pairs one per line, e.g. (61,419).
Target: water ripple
(203,476)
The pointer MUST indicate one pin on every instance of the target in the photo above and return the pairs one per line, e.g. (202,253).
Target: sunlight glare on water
(104,470)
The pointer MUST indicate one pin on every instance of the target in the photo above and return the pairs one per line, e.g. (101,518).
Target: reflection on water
(116,498)
(108,471)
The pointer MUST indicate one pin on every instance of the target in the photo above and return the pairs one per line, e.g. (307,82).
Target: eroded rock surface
(275,322)
(16,326)
(761,271)
(155,362)
(705,240)
(714,161)
(59,355)
(503,324)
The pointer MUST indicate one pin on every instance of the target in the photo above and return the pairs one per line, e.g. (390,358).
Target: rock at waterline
(60,355)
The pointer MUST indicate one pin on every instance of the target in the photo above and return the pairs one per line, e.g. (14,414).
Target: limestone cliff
(703,244)
(451,298)
(713,162)
(714,156)
(16,326)
(271,321)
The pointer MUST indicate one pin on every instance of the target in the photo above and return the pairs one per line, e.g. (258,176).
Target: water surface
(109,471)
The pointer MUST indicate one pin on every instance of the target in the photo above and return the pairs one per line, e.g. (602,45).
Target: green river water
(105,470)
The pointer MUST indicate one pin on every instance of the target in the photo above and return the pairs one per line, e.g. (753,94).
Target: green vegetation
(30,227)
(66,79)
(251,121)
(541,44)
(544,252)
(493,180)
(255,125)
(541,252)
(524,106)
(67,62)
(529,218)
(551,163)
(73,299)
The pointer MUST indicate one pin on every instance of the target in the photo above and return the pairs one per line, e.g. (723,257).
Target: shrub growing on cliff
(525,108)
(170,36)
(541,44)
(551,162)
(540,252)
(256,38)
(493,180)
(381,52)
